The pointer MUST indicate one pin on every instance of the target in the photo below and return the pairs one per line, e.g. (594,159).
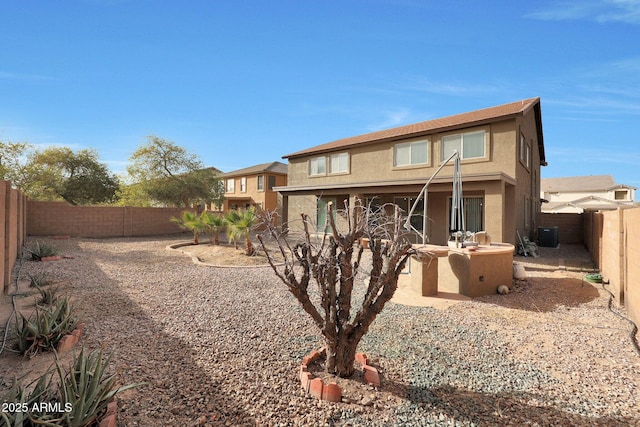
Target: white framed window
(231,185)
(525,152)
(317,166)
(411,153)
(243,184)
(470,145)
(339,163)
(260,182)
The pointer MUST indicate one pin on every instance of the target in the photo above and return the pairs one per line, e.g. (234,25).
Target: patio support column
(495,213)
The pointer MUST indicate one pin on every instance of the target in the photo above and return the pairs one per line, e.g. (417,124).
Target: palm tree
(190,221)
(212,225)
(239,225)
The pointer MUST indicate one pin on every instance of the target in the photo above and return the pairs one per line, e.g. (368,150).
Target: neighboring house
(584,193)
(502,150)
(254,187)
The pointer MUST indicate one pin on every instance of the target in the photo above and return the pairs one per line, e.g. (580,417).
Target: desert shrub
(38,280)
(78,397)
(42,250)
(45,327)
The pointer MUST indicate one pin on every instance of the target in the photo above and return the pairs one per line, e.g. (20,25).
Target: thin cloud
(602,11)
(424,84)
(595,155)
(392,119)
(6,75)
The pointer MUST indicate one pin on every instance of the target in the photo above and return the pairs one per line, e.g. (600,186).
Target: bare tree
(334,262)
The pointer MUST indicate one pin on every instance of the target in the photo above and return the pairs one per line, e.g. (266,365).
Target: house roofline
(443,124)
(395,183)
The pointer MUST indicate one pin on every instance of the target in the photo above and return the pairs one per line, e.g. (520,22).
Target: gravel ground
(223,346)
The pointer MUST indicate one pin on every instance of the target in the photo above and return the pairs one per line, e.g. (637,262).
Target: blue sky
(245,82)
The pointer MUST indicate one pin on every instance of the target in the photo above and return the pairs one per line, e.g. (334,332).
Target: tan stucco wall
(268,199)
(504,202)
(475,275)
(374,162)
(527,179)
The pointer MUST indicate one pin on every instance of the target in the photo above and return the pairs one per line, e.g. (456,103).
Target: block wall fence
(612,237)
(13,206)
(613,240)
(63,219)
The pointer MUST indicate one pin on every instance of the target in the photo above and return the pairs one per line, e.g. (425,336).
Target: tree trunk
(248,245)
(341,358)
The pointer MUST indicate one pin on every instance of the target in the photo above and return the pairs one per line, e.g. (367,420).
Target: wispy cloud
(6,75)
(392,119)
(627,11)
(425,84)
(608,155)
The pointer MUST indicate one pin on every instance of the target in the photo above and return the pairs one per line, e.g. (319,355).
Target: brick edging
(332,392)
(67,342)
(110,417)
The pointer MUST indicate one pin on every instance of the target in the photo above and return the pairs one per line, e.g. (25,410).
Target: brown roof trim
(391,183)
(472,118)
(276,168)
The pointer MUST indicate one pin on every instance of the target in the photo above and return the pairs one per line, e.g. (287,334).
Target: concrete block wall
(570,226)
(12,229)
(613,239)
(632,263)
(612,251)
(63,219)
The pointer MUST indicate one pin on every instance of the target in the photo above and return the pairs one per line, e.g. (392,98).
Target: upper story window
(271,182)
(231,185)
(317,166)
(260,182)
(243,184)
(411,153)
(525,152)
(621,195)
(339,163)
(470,145)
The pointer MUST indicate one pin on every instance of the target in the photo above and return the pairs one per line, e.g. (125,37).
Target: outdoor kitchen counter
(466,271)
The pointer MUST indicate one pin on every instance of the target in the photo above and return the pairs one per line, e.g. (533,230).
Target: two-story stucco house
(502,149)
(254,187)
(579,193)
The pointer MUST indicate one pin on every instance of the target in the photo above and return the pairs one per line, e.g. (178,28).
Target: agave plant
(48,296)
(77,398)
(213,224)
(239,225)
(86,389)
(39,280)
(190,221)
(45,327)
(24,400)
(42,250)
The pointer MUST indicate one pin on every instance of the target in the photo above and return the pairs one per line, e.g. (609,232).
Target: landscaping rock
(548,354)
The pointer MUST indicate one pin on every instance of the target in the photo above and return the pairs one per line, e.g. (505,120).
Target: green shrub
(24,398)
(42,250)
(48,296)
(78,397)
(45,327)
(39,280)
